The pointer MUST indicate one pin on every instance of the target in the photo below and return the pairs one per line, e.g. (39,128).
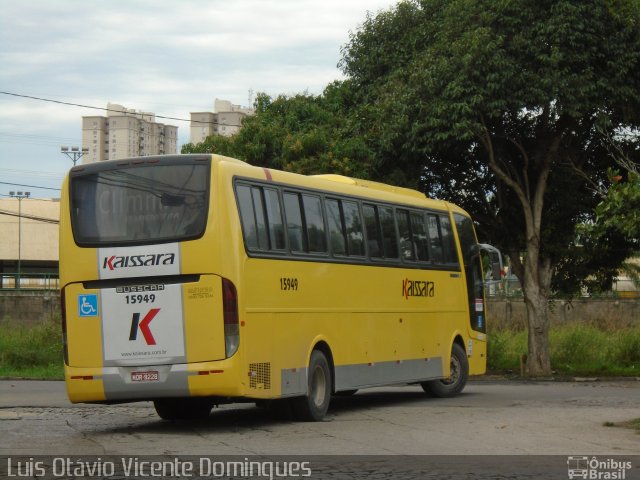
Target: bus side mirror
(495,260)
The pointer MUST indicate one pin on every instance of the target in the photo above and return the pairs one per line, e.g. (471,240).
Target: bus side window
(353,222)
(294,221)
(374,242)
(274,219)
(337,237)
(404,232)
(435,238)
(247,216)
(448,242)
(314,222)
(389,238)
(261,224)
(419,235)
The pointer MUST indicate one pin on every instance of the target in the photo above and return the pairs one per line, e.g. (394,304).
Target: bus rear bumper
(136,383)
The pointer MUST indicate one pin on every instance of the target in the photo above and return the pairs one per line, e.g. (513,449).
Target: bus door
(472,261)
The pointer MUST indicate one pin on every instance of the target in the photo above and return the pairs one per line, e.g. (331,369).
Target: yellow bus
(192,280)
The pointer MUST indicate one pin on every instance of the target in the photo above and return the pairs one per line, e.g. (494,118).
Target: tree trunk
(535,279)
(537,304)
(534,272)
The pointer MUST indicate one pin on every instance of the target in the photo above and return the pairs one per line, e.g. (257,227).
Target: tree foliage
(618,217)
(504,107)
(620,210)
(302,133)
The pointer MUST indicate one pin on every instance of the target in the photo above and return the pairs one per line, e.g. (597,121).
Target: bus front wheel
(313,406)
(194,408)
(452,386)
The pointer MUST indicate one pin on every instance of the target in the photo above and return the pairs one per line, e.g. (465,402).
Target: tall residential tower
(126,133)
(225,121)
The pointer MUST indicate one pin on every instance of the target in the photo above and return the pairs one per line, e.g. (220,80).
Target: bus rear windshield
(138,205)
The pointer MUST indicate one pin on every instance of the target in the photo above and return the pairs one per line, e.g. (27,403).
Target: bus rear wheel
(183,408)
(452,386)
(313,406)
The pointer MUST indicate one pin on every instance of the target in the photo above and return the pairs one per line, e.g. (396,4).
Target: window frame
(349,258)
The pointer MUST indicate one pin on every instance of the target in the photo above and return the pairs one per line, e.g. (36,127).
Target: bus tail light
(63,311)
(231,323)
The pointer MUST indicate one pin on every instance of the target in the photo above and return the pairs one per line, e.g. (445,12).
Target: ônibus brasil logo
(143,326)
(124,261)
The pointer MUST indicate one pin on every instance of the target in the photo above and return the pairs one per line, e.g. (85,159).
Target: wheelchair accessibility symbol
(88,305)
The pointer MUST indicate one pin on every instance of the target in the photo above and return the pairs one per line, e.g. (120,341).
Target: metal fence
(510,287)
(29,281)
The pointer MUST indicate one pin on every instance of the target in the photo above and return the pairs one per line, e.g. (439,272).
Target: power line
(30,186)
(32,136)
(60,102)
(31,139)
(30,217)
(34,173)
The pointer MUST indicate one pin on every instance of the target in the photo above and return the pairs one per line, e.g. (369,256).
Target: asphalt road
(488,418)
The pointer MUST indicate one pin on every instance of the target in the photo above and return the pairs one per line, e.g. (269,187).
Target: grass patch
(635,424)
(632,424)
(31,352)
(505,349)
(575,350)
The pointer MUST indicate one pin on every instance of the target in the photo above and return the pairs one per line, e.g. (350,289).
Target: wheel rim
(318,386)
(454,375)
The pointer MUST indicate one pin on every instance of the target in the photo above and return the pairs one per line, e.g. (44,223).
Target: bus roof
(338,184)
(371,184)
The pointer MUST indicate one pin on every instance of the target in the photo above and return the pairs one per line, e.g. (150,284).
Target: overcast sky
(160,56)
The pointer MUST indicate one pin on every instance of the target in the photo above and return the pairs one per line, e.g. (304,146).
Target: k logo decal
(143,326)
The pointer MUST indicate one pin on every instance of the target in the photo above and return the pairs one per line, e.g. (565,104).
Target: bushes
(505,349)
(575,350)
(34,351)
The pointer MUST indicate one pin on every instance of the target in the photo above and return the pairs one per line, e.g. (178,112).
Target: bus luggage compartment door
(151,322)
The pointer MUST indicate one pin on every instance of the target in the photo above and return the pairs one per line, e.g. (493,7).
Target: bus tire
(313,406)
(452,386)
(195,408)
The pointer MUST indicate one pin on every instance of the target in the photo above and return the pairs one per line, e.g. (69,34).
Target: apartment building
(225,120)
(126,133)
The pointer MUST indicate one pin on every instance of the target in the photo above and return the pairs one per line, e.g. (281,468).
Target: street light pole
(74,153)
(20,196)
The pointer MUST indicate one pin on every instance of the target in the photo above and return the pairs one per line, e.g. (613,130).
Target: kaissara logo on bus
(418,288)
(139,261)
(125,261)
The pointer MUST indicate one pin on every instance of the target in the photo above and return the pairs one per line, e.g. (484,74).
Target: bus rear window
(138,205)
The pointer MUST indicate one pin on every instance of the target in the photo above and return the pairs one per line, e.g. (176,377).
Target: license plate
(151,376)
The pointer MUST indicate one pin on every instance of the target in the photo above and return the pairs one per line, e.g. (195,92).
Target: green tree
(620,209)
(503,106)
(618,214)
(302,133)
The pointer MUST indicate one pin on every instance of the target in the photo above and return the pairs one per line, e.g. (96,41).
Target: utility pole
(20,196)
(74,153)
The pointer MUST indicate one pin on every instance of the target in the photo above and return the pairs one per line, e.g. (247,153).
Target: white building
(225,120)
(126,133)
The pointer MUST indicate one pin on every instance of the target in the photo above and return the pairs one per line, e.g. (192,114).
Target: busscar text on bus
(194,280)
